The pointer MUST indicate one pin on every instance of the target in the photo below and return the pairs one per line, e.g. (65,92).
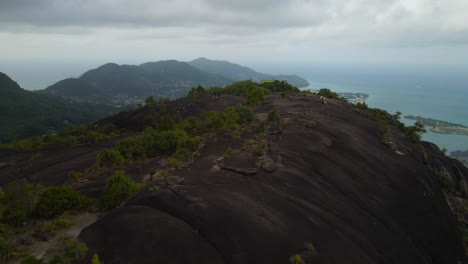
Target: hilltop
(24,113)
(263,173)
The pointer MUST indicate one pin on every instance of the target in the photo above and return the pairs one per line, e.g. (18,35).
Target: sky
(39,36)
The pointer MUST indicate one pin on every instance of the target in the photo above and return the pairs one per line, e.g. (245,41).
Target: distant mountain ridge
(238,72)
(25,113)
(115,84)
(129,84)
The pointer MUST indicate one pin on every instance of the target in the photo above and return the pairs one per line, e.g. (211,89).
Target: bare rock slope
(332,192)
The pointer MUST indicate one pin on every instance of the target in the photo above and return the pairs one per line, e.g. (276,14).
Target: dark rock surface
(338,195)
(331,192)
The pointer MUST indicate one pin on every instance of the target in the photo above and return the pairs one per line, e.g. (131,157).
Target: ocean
(434,91)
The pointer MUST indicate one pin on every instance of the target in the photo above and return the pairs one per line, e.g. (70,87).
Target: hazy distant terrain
(24,113)
(115,84)
(240,73)
(129,84)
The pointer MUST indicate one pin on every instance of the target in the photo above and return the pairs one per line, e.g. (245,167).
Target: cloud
(256,27)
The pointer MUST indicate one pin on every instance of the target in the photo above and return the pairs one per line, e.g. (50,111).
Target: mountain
(240,73)
(129,84)
(286,180)
(24,113)
(115,84)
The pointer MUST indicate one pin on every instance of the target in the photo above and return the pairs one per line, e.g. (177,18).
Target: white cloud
(124,29)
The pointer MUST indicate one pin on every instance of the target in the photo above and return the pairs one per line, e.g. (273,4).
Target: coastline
(400,99)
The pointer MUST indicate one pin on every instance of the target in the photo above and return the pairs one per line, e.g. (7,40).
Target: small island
(440,126)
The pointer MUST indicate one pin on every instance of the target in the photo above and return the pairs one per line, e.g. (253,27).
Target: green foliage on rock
(68,137)
(415,132)
(328,93)
(70,250)
(109,158)
(280,86)
(384,119)
(95,259)
(274,117)
(19,202)
(57,199)
(155,142)
(118,188)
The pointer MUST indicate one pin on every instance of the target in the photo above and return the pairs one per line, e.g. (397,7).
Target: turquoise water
(439,92)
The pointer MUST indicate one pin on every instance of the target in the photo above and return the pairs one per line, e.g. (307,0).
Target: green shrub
(69,251)
(32,260)
(190,125)
(445,180)
(176,163)
(242,114)
(197,92)
(227,154)
(262,127)
(362,106)
(131,148)
(166,123)
(384,131)
(258,151)
(5,250)
(297,259)
(19,202)
(51,227)
(96,259)
(213,122)
(109,158)
(274,117)
(328,93)
(57,199)
(149,100)
(256,95)
(280,86)
(415,132)
(181,153)
(118,188)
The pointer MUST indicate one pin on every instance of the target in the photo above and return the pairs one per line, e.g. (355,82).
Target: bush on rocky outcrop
(155,142)
(118,188)
(280,86)
(328,93)
(57,199)
(109,158)
(274,117)
(19,201)
(95,259)
(221,122)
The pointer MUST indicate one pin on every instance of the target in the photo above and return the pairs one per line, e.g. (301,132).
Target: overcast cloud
(319,31)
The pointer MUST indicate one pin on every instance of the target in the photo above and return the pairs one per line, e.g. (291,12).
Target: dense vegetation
(67,137)
(253,92)
(25,114)
(23,205)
